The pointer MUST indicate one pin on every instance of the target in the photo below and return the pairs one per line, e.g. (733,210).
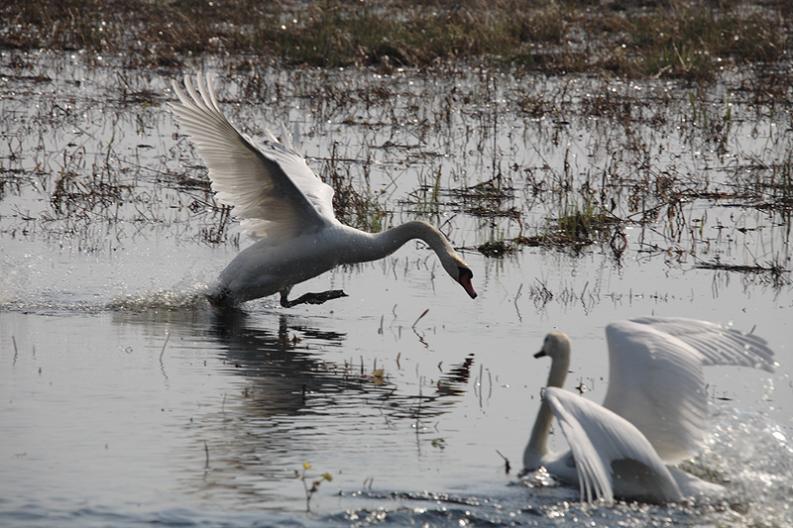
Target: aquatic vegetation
(576,229)
(690,39)
(354,203)
(693,41)
(315,482)
(496,248)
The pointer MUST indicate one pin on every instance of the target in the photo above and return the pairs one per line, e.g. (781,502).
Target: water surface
(126,400)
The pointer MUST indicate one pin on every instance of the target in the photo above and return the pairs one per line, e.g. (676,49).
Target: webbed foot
(311,298)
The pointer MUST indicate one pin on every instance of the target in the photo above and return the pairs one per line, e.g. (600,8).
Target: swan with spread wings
(654,414)
(287,209)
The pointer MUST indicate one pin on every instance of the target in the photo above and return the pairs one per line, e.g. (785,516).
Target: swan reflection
(288,396)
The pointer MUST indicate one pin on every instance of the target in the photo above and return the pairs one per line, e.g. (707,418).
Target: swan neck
(538,442)
(558,373)
(383,244)
(420,230)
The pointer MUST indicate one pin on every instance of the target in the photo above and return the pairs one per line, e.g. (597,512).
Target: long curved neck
(538,442)
(369,246)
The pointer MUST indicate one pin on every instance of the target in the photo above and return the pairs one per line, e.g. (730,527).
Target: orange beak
(465,281)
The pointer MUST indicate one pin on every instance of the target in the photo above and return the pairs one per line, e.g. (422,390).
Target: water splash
(191,296)
(755,455)
(185,295)
(747,452)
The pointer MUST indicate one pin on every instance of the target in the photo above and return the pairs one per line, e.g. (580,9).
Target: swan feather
(270,186)
(717,344)
(600,440)
(656,380)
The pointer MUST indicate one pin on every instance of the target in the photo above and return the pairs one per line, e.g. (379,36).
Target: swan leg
(285,302)
(310,298)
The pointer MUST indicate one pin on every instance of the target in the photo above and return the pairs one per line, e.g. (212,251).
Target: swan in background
(287,209)
(654,414)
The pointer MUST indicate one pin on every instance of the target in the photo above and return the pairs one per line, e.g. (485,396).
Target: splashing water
(189,296)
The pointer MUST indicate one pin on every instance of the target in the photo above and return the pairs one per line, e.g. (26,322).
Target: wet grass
(575,230)
(690,39)
(696,40)
(354,203)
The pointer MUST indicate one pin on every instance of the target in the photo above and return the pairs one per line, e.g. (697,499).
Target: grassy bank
(681,39)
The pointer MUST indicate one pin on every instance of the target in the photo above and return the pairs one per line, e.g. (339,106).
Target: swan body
(287,209)
(654,414)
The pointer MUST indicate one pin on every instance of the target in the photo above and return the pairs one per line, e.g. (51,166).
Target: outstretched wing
(657,384)
(611,455)
(270,187)
(717,344)
(656,380)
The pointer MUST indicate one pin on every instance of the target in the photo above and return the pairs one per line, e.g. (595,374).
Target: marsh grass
(574,230)
(489,199)
(581,227)
(689,39)
(694,40)
(354,204)
(509,168)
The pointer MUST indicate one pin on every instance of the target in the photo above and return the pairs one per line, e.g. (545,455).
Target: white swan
(287,208)
(654,414)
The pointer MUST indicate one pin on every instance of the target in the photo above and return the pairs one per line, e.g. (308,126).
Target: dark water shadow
(287,403)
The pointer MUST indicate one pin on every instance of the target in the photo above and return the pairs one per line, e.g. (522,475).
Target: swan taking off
(654,414)
(287,209)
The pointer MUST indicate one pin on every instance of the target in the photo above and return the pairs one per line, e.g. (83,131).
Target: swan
(287,209)
(654,413)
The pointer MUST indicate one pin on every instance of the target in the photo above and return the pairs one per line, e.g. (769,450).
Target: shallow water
(125,400)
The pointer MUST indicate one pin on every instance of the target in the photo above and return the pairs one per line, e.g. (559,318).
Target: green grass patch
(691,39)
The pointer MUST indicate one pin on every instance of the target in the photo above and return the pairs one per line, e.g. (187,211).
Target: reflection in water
(288,404)
(280,371)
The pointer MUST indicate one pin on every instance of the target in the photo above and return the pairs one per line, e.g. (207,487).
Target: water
(125,400)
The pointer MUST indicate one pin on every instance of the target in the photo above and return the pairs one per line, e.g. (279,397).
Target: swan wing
(272,190)
(718,345)
(611,455)
(656,382)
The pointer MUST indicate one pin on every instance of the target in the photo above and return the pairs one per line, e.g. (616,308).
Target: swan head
(459,271)
(556,345)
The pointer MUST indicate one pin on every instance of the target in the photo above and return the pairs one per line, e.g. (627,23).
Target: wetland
(587,169)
